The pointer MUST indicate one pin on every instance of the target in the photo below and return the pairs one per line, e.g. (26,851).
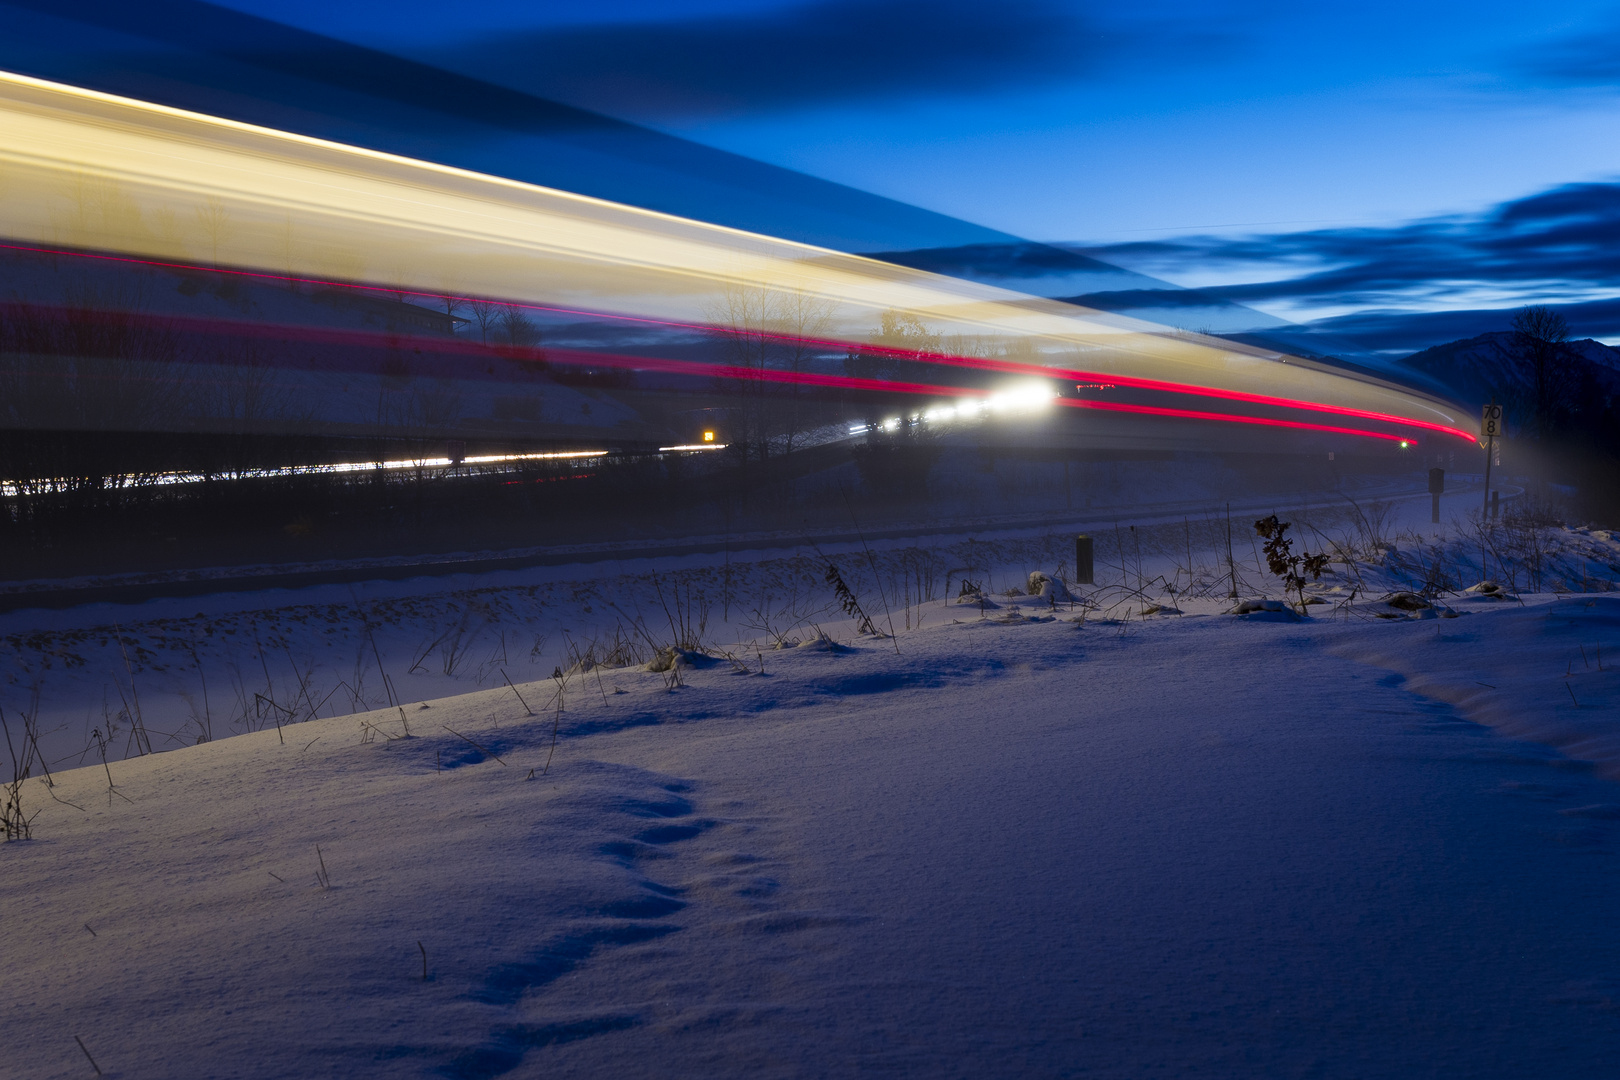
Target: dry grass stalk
(474,745)
(525,704)
(87,1056)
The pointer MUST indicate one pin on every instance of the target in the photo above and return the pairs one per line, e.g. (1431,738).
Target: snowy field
(1125,834)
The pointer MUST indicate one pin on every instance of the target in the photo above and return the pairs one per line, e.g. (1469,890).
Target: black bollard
(1437,485)
(1084,572)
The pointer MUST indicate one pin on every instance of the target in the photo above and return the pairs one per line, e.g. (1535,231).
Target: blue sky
(1257,146)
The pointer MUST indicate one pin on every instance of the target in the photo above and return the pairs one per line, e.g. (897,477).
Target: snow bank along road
(1194,847)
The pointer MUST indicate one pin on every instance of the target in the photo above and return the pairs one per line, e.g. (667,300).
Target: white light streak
(97,171)
(166,479)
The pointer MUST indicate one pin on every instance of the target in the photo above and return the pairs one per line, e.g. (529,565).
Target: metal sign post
(1490,426)
(1437,487)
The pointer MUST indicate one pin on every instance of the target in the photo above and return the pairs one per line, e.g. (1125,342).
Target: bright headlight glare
(1022,398)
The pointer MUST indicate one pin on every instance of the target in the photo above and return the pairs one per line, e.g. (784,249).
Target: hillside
(1478,369)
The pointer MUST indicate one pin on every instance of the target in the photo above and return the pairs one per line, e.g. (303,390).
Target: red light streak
(353,339)
(1078,376)
(1231,418)
(979,363)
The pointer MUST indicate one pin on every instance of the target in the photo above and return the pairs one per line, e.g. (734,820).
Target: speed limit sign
(1490,421)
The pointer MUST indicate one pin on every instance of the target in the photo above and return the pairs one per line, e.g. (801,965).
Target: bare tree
(1539,333)
(395,275)
(99,362)
(450,294)
(747,314)
(896,460)
(514,327)
(99,209)
(241,390)
(484,313)
(803,321)
(899,336)
(768,332)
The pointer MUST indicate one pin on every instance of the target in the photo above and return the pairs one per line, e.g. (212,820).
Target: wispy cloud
(823,51)
(1590,57)
(1559,246)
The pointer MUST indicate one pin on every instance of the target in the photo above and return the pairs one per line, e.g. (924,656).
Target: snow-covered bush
(1049,588)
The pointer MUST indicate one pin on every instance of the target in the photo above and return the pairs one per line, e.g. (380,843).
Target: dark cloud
(1128,300)
(1590,58)
(1559,247)
(1562,245)
(1402,332)
(829,50)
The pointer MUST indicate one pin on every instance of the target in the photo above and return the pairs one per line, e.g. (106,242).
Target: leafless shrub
(141,740)
(556,723)
(101,741)
(497,660)
(453,652)
(847,601)
(204,723)
(686,612)
(1436,577)
(452,645)
(425,651)
(1282,561)
(916,573)
(302,679)
(779,619)
(245,715)
(617,649)
(376,654)
(1372,524)
(15,822)
(1517,551)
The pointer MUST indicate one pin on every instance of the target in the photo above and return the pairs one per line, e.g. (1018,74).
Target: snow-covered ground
(1018,839)
(207,667)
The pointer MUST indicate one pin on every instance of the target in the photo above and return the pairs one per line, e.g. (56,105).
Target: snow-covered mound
(1180,846)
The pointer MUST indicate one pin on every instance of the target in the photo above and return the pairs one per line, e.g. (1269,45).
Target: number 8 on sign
(1490,421)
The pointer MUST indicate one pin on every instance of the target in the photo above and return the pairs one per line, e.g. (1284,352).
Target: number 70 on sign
(1491,419)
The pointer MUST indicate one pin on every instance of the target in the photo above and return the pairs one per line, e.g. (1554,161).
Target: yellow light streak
(87,169)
